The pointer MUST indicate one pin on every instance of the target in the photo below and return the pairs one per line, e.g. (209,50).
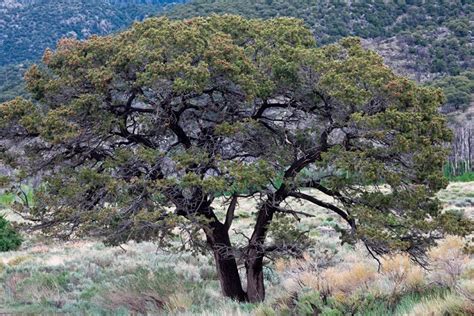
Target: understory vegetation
(9,238)
(84,276)
(466,177)
(461,173)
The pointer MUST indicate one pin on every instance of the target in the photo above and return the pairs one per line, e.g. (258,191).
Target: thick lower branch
(328,206)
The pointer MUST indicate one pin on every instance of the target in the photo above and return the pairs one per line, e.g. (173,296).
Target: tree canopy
(136,135)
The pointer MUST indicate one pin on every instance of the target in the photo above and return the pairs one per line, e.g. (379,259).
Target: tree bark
(226,265)
(255,254)
(255,284)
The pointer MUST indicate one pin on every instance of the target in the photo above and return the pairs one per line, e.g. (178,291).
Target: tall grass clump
(146,291)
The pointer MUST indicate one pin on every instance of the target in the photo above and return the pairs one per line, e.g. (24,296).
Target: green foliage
(11,81)
(458,90)
(6,199)
(9,197)
(459,172)
(287,235)
(364,304)
(309,303)
(10,239)
(193,61)
(455,223)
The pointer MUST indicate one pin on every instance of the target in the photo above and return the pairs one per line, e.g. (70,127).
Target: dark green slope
(28,27)
(428,37)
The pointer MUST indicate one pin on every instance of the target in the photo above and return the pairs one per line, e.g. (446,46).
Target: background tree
(137,134)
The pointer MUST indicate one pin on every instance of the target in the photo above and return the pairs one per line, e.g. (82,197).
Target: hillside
(422,38)
(30,26)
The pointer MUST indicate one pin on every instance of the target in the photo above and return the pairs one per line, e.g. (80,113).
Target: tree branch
(230,213)
(292,212)
(328,206)
(316,185)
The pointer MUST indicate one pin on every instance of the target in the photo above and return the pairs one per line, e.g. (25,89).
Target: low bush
(450,304)
(10,239)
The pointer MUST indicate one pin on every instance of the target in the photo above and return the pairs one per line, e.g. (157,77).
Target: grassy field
(85,277)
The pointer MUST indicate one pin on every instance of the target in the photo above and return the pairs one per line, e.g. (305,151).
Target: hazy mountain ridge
(30,26)
(21,3)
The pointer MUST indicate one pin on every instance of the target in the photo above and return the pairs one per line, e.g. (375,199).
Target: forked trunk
(226,264)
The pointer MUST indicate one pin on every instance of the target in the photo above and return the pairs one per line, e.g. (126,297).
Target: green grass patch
(466,177)
(6,199)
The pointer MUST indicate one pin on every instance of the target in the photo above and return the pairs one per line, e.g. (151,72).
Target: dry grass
(450,305)
(342,282)
(449,261)
(355,277)
(401,274)
(15,261)
(140,303)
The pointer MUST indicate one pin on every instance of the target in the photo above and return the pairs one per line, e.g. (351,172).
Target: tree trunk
(255,285)
(226,264)
(255,254)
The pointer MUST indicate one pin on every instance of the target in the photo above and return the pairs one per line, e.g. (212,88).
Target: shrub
(44,287)
(466,177)
(310,304)
(342,282)
(402,274)
(264,310)
(6,199)
(449,261)
(10,239)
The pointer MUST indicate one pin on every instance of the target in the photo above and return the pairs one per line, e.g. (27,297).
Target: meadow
(85,277)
